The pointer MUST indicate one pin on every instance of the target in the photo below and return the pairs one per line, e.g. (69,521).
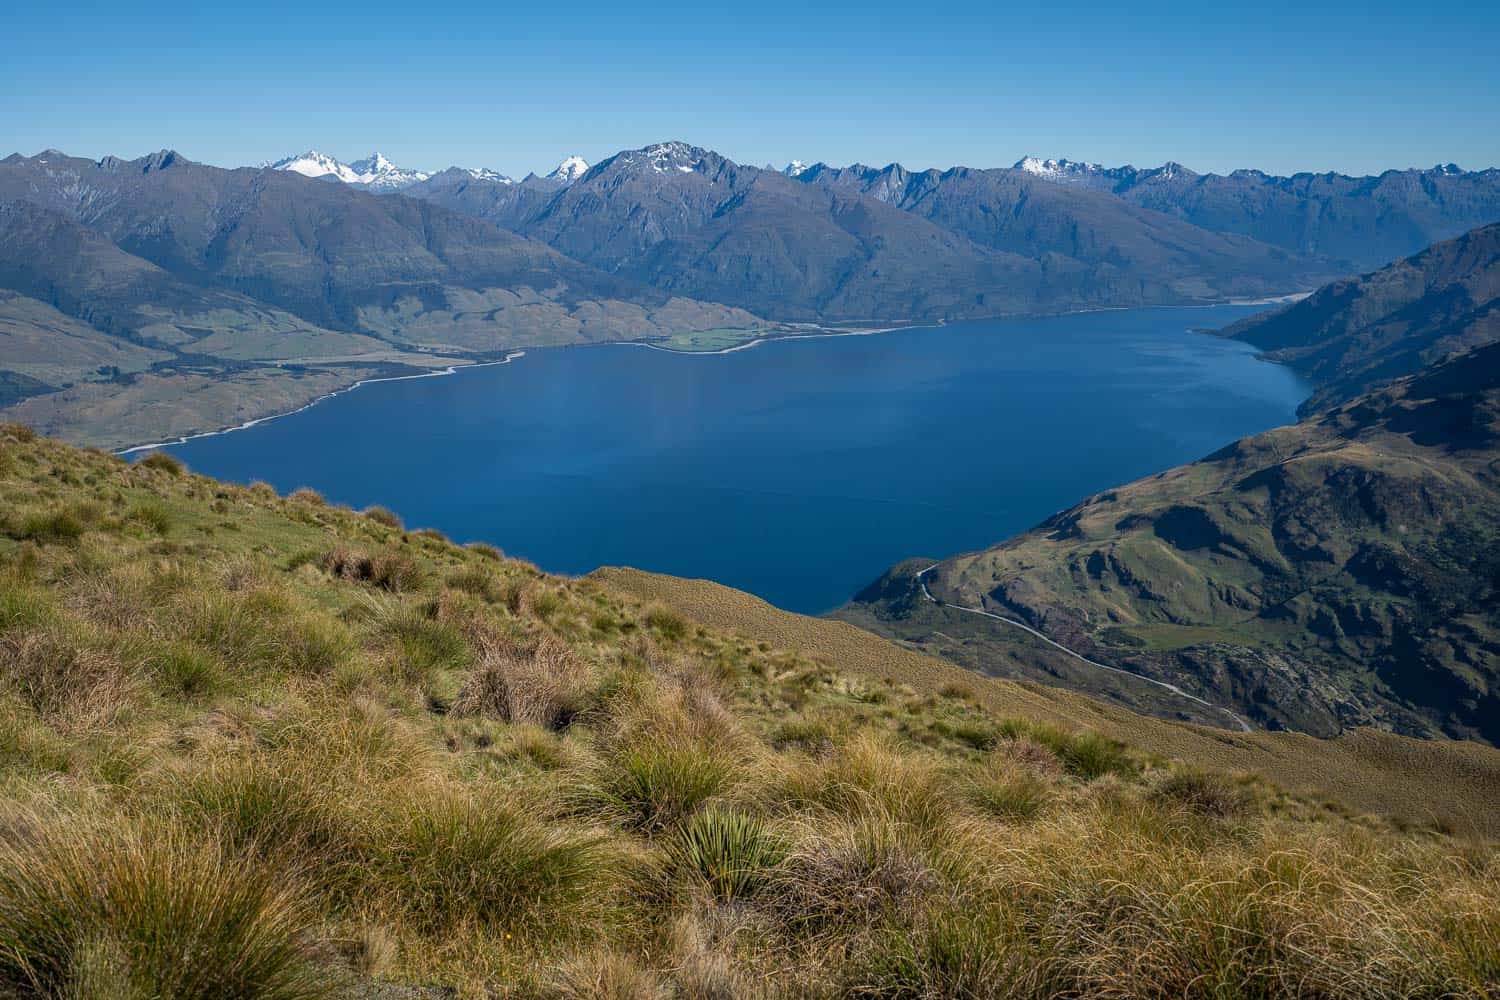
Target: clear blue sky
(1354,88)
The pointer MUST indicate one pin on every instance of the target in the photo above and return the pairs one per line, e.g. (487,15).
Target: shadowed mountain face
(1356,334)
(840,245)
(1364,221)
(1339,572)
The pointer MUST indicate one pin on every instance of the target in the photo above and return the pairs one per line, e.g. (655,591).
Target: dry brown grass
(546,686)
(545,787)
(1453,784)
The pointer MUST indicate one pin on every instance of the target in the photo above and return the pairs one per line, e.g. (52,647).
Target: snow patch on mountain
(1060,171)
(570,170)
(796,168)
(374,171)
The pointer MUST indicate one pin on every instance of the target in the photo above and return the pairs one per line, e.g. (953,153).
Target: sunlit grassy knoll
(257,746)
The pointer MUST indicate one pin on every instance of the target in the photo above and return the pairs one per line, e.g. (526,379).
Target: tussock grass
(153,516)
(307,495)
(547,686)
(56,526)
(63,678)
(163,462)
(389,570)
(450,860)
(148,913)
(245,762)
(845,874)
(385,516)
(1009,791)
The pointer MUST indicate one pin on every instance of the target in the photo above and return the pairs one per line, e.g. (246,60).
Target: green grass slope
(259,746)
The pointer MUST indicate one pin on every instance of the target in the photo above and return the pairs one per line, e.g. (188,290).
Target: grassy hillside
(1337,573)
(255,746)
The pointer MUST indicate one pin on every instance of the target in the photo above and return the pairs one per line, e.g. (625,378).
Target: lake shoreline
(452,369)
(460,365)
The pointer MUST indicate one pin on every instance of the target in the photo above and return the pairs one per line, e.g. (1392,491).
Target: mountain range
(331,272)
(1357,222)
(1340,572)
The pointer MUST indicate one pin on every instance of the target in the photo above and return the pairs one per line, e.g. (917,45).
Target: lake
(798,470)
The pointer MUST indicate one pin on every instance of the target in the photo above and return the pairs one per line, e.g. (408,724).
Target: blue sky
(1283,88)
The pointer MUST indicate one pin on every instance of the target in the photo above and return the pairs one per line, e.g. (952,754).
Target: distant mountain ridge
(860,244)
(1365,221)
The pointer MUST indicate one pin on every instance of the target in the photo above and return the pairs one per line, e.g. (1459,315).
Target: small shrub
(385,516)
(163,462)
(485,550)
(730,851)
(147,913)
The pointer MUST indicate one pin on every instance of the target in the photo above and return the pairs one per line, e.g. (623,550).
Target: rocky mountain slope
(1356,334)
(1339,572)
(324,756)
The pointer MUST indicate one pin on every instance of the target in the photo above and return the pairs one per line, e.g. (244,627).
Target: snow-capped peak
(374,171)
(315,164)
(1061,171)
(796,168)
(570,170)
(485,174)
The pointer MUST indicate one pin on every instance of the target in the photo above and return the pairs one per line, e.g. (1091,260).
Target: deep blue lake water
(798,470)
